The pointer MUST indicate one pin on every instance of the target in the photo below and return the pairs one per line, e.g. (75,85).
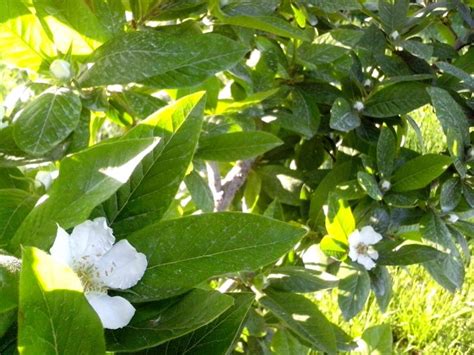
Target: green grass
(425,318)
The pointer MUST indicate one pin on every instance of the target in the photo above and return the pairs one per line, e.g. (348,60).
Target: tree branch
(232,183)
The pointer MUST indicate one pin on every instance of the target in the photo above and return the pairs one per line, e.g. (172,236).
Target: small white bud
(453,218)
(358,106)
(470,153)
(385,185)
(395,35)
(61,69)
(367,83)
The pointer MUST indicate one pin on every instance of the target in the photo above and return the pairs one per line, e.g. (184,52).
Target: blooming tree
(176,175)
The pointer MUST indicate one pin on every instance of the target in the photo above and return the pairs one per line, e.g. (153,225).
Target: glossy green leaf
(85,180)
(340,222)
(396,99)
(153,325)
(217,337)
(335,5)
(343,117)
(410,254)
(419,172)
(47,121)
(370,185)
(54,311)
(193,249)
(23,40)
(236,145)
(453,70)
(393,14)
(320,53)
(419,49)
(451,116)
(300,280)
(72,25)
(281,183)
(451,194)
(386,152)
(9,279)
(12,178)
(144,199)
(448,272)
(200,191)
(303,317)
(377,340)
(14,207)
(353,293)
(381,284)
(138,56)
(284,343)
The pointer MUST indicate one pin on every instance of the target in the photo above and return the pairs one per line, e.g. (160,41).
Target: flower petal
(367,262)
(354,238)
(311,255)
(373,254)
(61,249)
(90,240)
(114,312)
(353,254)
(369,236)
(122,267)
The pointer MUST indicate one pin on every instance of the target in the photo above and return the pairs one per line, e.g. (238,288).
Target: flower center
(362,248)
(89,276)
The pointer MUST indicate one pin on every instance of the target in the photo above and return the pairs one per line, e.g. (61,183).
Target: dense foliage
(253,151)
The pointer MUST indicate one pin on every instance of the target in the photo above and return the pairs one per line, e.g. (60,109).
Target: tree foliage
(240,145)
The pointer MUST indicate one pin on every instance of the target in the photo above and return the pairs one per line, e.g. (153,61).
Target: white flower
(91,253)
(385,185)
(61,69)
(358,106)
(395,35)
(46,177)
(360,246)
(367,83)
(453,218)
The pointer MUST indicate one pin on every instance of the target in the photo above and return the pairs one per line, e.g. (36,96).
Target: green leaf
(9,278)
(284,343)
(435,230)
(218,337)
(353,293)
(335,5)
(281,183)
(343,117)
(145,198)
(47,121)
(12,178)
(306,117)
(340,222)
(451,194)
(396,99)
(272,24)
(319,53)
(418,49)
(370,185)
(23,41)
(138,56)
(453,70)
(381,283)
(195,248)
(451,116)
(200,191)
(14,207)
(377,340)
(393,14)
(333,247)
(54,311)
(410,254)
(339,174)
(419,172)
(448,272)
(303,317)
(71,25)
(300,280)
(236,145)
(153,325)
(386,152)
(85,180)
